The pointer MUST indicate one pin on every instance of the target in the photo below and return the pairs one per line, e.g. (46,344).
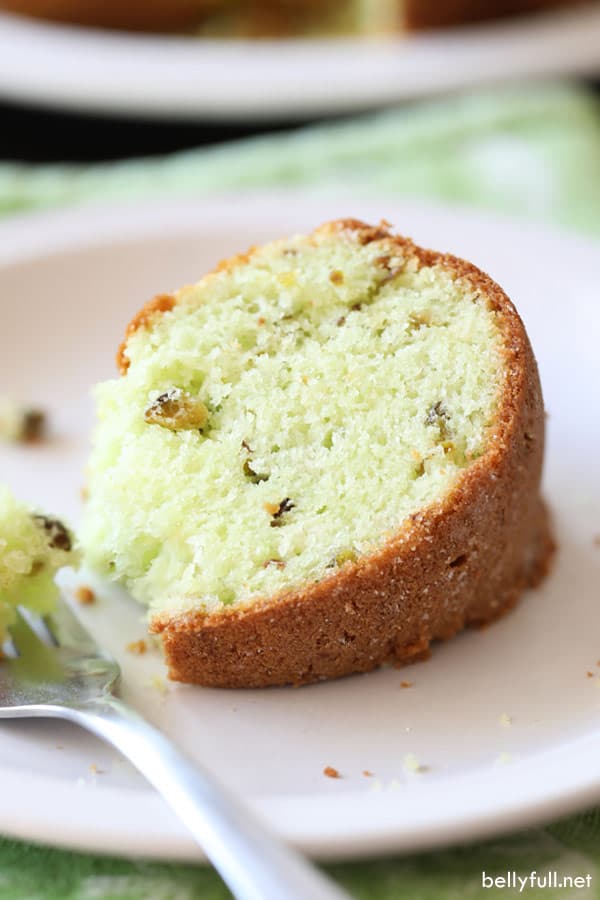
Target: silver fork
(53,667)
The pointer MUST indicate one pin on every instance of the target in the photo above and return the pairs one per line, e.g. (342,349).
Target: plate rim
(371,828)
(113,68)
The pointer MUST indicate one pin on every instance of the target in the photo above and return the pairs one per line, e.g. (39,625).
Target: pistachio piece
(177,410)
(58,536)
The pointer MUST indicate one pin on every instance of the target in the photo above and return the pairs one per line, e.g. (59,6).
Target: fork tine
(47,625)
(35,659)
(8,649)
(44,674)
(68,631)
(38,625)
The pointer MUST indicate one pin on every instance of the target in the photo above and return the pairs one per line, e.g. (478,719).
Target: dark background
(34,134)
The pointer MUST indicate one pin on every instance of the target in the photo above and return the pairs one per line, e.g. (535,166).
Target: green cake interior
(285,418)
(33,547)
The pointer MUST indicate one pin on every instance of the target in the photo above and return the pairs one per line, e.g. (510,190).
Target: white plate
(187,78)
(68,284)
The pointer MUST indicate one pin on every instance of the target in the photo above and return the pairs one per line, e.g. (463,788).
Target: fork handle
(253,863)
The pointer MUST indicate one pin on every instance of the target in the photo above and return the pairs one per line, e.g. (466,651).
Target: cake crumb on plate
(22,424)
(504,759)
(158,684)
(85,595)
(412,766)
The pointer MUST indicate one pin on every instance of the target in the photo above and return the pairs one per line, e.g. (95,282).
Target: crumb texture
(33,547)
(284,417)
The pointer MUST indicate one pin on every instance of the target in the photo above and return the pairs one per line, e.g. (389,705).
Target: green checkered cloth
(532,153)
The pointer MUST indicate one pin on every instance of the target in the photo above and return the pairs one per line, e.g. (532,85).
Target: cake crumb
(597,540)
(85,595)
(138,648)
(330,772)
(412,766)
(503,759)
(406,684)
(158,684)
(33,426)
(505,720)
(94,770)
(590,674)
(22,424)
(367,774)
(84,493)
(377,785)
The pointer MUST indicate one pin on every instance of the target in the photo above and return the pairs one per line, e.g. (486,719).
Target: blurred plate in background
(190,78)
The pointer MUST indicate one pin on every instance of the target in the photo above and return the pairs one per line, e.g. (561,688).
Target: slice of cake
(322,456)
(33,547)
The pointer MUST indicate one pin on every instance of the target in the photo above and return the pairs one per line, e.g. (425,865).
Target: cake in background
(275,18)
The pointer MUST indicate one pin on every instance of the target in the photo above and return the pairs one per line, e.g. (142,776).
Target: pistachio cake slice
(321,457)
(33,547)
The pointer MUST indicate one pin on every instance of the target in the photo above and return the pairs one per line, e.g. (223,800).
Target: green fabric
(533,153)
(568,848)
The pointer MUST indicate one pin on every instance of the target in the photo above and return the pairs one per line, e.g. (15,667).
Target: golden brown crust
(143,319)
(465,560)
